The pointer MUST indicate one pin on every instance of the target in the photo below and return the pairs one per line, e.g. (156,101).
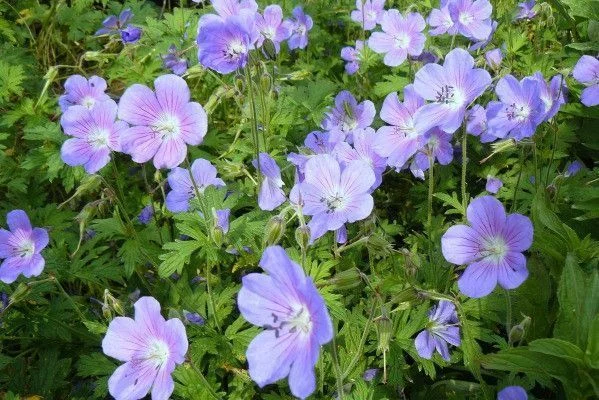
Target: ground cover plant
(239,199)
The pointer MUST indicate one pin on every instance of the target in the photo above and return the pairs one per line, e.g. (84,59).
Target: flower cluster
(113,25)
(226,39)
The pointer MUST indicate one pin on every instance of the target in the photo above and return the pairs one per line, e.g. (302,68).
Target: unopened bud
(20,293)
(266,83)
(347,279)
(518,332)
(106,312)
(302,236)
(275,228)
(384,328)
(239,83)
(269,50)
(112,303)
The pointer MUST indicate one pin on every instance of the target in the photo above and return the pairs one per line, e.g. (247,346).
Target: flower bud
(518,332)
(346,280)
(302,236)
(106,312)
(266,83)
(275,229)
(20,293)
(269,50)
(384,327)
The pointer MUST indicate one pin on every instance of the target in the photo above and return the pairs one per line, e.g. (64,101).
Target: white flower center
(466,18)
(496,248)
(450,95)
(371,15)
(334,202)
(98,138)
(25,249)
(402,41)
(167,126)
(296,320)
(300,29)
(518,112)
(158,352)
(268,33)
(235,49)
(88,102)
(301,321)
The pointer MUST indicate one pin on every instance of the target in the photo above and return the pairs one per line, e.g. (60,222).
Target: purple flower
(348,115)
(333,195)
(130,34)
(553,95)
(174,62)
(352,57)
(451,88)
(341,235)
(426,57)
(519,111)
(441,329)
(224,45)
(439,145)
(512,393)
(526,10)
(483,43)
(368,13)
(491,247)
(586,72)
(83,92)
(271,193)
(472,18)
(221,218)
(230,8)
(319,143)
(95,134)
(440,20)
(287,304)
(163,122)
(272,27)
(401,36)
(182,187)
(112,24)
(476,123)
(146,214)
(362,150)
(493,184)
(20,248)
(573,168)
(193,318)
(300,26)
(370,374)
(400,141)
(494,58)
(150,346)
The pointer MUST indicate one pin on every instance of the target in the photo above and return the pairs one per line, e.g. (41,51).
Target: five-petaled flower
(150,346)
(288,306)
(441,329)
(401,36)
(491,246)
(162,122)
(80,91)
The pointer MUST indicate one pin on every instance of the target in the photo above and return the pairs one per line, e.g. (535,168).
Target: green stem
(519,179)
(337,367)
(211,297)
(70,300)
(358,354)
(552,154)
(508,312)
(464,167)
(431,188)
(254,125)
(207,385)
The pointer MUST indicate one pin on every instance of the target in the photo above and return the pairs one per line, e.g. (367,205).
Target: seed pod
(275,228)
(346,280)
(384,328)
(302,236)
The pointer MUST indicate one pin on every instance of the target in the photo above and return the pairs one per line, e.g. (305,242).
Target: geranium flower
(519,111)
(334,196)
(224,45)
(586,71)
(526,10)
(182,187)
(95,134)
(491,246)
(512,393)
(493,184)
(450,88)
(174,62)
(348,115)
(146,214)
(472,18)
(288,306)
(162,122)
(573,168)
(553,95)
(441,329)
(80,91)
(439,145)
(113,25)
(271,193)
(230,8)
(20,248)
(272,27)
(150,346)
(362,149)
(300,26)
(352,57)
(400,141)
(401,36)
(440,20)
(368,13)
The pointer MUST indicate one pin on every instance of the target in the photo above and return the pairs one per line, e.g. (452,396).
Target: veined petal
(138,105)
(461,244)
(18,219)
(512,271)
(487,216)
(172,92)
(479,279)
(518,232)
(123,339)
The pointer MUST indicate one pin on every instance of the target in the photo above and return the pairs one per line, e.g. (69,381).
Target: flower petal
(512,272)
(487,216)
(461,244)
(425,344)
(170,154)
(260,298)
(123,338)
(270,357)
(172,92)
(518,232)
(132,381)
(148,317)
(18,219)
(140,142)
(479,279)
(139,106)
(302,380)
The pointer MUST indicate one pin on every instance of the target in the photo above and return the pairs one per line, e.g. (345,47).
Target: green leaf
(571,296)
(179,253)
(95,364)
(592,352)
(558,348)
